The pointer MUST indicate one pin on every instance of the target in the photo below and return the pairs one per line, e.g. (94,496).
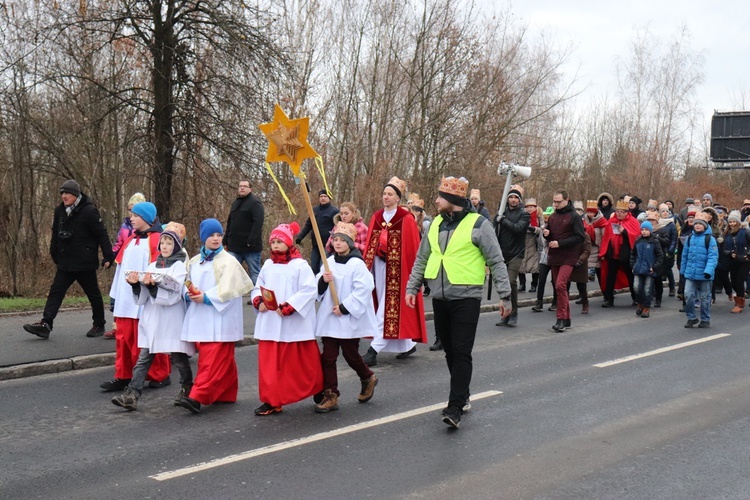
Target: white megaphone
(510,171)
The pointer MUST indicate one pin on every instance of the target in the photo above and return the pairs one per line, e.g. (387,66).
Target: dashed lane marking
(163,476)
(661,350)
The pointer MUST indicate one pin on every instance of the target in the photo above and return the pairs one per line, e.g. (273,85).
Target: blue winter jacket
(698,260)
(647,254)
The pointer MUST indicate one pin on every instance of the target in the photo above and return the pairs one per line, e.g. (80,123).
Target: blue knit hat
(145,210)
(647,225)
(209,227)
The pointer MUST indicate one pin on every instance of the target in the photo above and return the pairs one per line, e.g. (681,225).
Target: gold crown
(622,205)
(592,205)
(475,192)
(456,187)
(415,200)
(346,229)
(401,185)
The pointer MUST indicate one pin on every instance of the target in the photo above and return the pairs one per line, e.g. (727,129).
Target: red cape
(401,322)
(633,228)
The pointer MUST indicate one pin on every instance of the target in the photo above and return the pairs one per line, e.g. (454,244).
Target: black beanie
(72,187)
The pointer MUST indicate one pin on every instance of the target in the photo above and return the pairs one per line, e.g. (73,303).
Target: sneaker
(646,313)
(371,357)
(330,402)
(110,334)
(452,417)
(153,384)
(552,307)
(704,324)
(638,311)
(512,320)
(40,329)
(406,354)
(657,303)
(467,406)
(671,293)
(116,384)
(96,331)
(503,321)
(267,409)
(127,400)
(538,307)
(184,392)
(368,389)
(190,404)
(532,289)
(608,303)
(691,323)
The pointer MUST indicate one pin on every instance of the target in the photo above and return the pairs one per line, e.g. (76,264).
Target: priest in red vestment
(392,244)
(620,233)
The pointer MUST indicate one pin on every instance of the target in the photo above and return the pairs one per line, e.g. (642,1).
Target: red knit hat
(285,233)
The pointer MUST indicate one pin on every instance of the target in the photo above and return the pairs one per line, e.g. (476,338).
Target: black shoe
(96,331)
(579,301)
(371,357)
(406,354)
(153,384)
(267,409)
(634,304)
(190,404)
(671,293)
(452,417)
(116,384)
(608,303)
(184,392)
(532,289)
(552,307)
(682,309)
(704,324)
(692,322)
(559,326)
(512,320)
(522,288)
(437,346)
(657,303)
(567,323)
(40,329)
(538,307)
(503,321)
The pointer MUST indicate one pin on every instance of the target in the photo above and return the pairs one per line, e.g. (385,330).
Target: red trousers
(561,276)
(127,352)
(216,380)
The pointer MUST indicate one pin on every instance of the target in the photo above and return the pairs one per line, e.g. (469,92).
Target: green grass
(22,304)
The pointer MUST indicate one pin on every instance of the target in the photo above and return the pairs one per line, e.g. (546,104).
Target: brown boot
(585,307)
(330,402)
(739,303)
(368,389)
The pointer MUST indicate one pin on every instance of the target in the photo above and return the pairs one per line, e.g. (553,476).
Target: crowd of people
(369,281)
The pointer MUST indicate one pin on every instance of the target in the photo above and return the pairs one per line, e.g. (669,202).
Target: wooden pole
(318,240)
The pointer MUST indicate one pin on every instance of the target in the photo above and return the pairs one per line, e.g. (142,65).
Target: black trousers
(63,280)
(613,266)
(456,327)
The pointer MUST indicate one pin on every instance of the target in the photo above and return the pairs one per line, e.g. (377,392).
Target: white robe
(354,285)
(135,257)
(160,326)
(294,283)
(220,321)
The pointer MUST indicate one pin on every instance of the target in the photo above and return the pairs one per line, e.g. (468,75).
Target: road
(555,415)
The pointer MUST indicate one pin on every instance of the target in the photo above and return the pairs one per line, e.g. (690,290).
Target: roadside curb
(108,359)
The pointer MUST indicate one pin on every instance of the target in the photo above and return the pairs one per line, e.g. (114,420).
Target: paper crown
(652,215)
(531,202)
(703,215)
(415,201)
(346,229)
(653,204)
(621,205)
(592,205)
(176,228)
(456,187)
(578,205)
(399,184)
(475,192)
(693,209)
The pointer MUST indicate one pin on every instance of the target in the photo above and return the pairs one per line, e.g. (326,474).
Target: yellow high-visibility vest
(463,261)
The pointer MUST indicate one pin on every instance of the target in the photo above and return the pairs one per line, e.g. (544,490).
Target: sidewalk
(68,348)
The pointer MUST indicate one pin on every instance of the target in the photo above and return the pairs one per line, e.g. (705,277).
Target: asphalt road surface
(616,407)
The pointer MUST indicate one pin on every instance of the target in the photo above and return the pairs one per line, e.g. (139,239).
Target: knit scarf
(285,257)
(208,255)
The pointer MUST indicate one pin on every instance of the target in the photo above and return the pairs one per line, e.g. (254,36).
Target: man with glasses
(244,234)
(565,235)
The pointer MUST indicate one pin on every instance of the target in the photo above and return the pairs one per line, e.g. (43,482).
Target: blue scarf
(207,256)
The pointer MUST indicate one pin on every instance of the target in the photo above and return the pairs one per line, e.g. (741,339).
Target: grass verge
(24,304)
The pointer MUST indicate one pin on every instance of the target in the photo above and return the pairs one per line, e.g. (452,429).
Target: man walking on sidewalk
(511,227)
(77,234)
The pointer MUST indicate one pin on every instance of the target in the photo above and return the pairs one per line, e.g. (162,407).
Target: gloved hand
(707,276)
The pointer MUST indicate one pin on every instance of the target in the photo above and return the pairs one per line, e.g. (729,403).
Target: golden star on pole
(287,140)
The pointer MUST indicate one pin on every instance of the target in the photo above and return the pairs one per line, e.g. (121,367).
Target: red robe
(631,225)
(400,322)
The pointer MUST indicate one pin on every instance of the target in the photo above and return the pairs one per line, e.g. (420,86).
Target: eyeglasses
(557,202)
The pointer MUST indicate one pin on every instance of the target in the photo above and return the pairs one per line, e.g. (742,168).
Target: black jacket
(76,238)
(324,217)
(245,225)
(511,232)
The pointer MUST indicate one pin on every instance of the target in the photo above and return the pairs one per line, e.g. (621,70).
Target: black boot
(371,357)
(437,346)
(538,307)
(559,326)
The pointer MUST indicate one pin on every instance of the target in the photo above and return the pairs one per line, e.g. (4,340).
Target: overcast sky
(601,32)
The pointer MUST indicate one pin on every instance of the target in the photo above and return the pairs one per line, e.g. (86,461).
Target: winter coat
(697,260)
(126,229)
(565,227)
(530,262)
(511,232)
(324,217)
(647,254)
(737,243)
(667,236)
(580,272)
(244,231)
(76,238)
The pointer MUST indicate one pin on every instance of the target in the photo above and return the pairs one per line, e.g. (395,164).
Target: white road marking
(659,351)
(163,476)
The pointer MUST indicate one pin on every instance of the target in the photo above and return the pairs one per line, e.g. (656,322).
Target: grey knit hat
(72,187)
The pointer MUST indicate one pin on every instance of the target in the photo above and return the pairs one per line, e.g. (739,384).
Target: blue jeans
(644,289)
(253,262)
(694,290)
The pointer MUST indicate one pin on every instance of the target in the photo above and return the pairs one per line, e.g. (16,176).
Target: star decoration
(287,140)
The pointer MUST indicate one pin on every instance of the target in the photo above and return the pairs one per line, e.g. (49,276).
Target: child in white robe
(160,326)
(341,326)
(288,356)
(214,319)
